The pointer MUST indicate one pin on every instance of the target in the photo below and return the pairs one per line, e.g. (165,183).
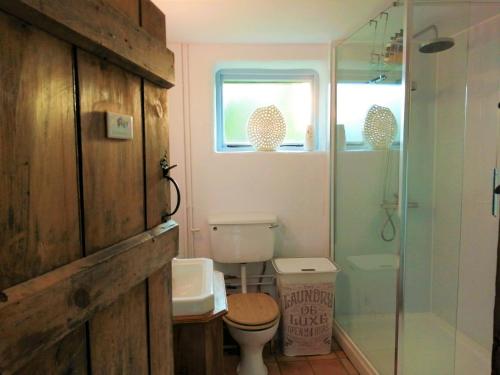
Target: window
(355,99)
(240,92)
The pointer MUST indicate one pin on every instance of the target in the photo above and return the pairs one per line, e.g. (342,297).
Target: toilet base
(251,362)
(251,345)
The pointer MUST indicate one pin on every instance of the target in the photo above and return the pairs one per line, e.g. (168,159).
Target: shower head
(436,45)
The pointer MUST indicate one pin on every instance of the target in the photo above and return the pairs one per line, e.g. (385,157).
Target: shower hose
(388,231)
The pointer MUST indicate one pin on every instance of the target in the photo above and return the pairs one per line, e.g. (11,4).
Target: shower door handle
(496,191)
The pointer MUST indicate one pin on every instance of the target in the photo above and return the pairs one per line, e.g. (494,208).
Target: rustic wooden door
(84,256)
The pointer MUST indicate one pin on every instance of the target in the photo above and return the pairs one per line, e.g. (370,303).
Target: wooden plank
(214,347)
(38,187)
(113,196)
(189,354)
(157,203)
(39,219)
(200,356)
(113,178)
(160,322)
(153,20)
(96,26)
(128,7)
(68,356)
(156,147)
(122,328)
(42,310)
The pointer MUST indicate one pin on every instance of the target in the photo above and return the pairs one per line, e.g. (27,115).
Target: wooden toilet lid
(252,309)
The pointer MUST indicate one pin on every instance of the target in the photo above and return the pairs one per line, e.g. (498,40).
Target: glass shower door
(370,98)
(451,234)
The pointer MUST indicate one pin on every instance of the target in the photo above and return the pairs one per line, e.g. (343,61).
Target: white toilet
(252,318)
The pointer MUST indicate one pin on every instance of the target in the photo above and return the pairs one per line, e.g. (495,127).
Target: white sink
(192,286)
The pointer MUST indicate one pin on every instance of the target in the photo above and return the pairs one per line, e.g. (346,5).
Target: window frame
(267,76)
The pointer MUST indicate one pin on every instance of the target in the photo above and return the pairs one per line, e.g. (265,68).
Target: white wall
(178,115)
(294,186)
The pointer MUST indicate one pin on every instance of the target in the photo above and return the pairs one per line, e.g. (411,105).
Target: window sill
(251,149)
(348,148)
(302,151)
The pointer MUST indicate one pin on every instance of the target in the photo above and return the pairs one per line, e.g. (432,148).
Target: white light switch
(119,126)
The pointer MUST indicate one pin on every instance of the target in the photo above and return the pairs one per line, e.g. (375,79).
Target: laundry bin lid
(297,266)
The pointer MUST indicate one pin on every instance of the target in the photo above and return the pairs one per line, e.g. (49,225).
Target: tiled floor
(335,363)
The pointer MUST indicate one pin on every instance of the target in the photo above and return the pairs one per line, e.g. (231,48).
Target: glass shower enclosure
(366,223)
(414,227)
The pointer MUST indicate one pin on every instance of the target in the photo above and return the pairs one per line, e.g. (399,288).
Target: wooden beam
(43,310)
(96,26)
(153,20)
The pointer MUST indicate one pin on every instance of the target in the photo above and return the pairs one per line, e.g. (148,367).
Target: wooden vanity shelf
(198,339)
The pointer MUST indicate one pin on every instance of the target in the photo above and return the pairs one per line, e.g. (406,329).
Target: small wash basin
(192,286)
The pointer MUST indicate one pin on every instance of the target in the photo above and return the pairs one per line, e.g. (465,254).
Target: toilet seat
(252,311)
(251,328)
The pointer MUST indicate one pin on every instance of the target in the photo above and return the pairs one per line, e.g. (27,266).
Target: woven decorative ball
(380,127)
(266,128)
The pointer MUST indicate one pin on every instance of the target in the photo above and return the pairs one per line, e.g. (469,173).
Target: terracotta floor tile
(283,358)
(349,367)
(231,364)
(335,363)
(328,367)
(295,368)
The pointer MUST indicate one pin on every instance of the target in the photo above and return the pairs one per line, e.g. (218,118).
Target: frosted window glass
(241,99)
(355,99)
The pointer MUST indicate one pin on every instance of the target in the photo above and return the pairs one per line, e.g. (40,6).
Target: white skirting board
(355,355)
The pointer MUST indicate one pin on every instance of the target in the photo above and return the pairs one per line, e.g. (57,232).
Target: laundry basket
(306,288)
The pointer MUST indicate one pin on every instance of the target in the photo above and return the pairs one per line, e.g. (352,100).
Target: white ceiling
(265,21)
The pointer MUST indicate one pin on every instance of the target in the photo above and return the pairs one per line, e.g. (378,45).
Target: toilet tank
(242,238)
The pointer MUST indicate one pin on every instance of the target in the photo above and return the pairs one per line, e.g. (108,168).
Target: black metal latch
(165,167)
(166,174)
